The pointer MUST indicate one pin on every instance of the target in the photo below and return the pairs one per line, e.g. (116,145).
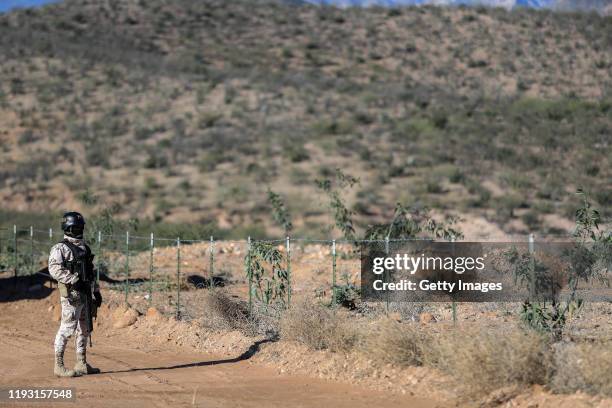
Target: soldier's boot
(60,370)
(82,368)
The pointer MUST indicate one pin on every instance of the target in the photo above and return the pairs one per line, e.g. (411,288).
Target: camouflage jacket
(60,253)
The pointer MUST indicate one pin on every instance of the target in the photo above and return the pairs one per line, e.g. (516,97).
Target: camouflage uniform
(73,310)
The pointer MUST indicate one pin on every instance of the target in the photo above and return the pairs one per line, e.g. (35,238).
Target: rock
(104,311)
(153,314)
(124,317)
(426,318)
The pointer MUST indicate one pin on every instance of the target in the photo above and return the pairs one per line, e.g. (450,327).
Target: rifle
(90,311)
(82,264)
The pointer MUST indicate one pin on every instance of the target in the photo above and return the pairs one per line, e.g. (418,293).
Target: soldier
(71,264)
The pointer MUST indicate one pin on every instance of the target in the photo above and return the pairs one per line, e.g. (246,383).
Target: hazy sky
(9,4)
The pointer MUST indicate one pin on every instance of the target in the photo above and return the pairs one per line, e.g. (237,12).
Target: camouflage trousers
(73,322)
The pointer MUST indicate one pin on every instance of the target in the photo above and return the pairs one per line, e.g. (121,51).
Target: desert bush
(433,185)
(296,152)
(28,136)
(222,312)
(318,327)
(532,220)
(212,159)
(208,119)
(583,367)
(485,359)
(143,132)
(396,343)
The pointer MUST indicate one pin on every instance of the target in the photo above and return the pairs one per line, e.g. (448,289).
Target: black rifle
(82,264)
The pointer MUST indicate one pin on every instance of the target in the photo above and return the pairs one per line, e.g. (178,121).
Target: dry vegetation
(583,367)
(480,356)
(186,111)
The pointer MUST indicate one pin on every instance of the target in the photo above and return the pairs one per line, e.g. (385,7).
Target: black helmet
(73,224)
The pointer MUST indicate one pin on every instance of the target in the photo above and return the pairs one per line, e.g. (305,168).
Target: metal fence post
(127,264)
(387,274)
(334,298)
(178,279)
(454,304)
(250,275)
(532,292)
(211,265)
(31,249)
(288,247)
(151,266)
(15,267)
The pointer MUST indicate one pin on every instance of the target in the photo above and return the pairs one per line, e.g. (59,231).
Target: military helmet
(73,224)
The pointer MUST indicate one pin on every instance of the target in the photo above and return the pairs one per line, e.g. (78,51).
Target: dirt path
(147,376)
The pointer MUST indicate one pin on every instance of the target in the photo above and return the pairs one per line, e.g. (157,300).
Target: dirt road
(149,376)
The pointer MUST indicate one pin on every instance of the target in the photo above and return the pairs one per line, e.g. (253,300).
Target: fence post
(288,247)
(178,279)
(531,240)
(454,304)
(152,246)
(334,299)
(387,274)
(211,264)
(31,249)
(127,264)
(250,276)
(99,256)
(15,268)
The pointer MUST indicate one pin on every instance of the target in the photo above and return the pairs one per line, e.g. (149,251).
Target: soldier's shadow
(34,286)
(14,288)
(250,352)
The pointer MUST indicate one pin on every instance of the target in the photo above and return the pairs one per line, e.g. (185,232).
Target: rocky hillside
(600,6)
(187,111)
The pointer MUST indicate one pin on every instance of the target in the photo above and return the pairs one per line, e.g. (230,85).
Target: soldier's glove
(80,286)
(98,299)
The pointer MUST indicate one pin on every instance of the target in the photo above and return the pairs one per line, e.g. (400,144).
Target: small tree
(343,216)
(411,224)
(268,287)
(280,213)
(588,258)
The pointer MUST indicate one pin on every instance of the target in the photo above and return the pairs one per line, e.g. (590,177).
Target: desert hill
(187,111)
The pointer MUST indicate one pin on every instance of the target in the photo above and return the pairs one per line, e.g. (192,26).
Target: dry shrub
(318,327)
(485,359)
(396,343)
(224,313)
(583,367)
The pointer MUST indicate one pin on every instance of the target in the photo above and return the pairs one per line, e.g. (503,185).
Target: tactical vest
(81,264)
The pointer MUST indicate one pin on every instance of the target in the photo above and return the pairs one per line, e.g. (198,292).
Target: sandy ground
(144,374)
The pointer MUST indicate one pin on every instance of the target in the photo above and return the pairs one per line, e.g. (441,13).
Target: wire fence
(170,273)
